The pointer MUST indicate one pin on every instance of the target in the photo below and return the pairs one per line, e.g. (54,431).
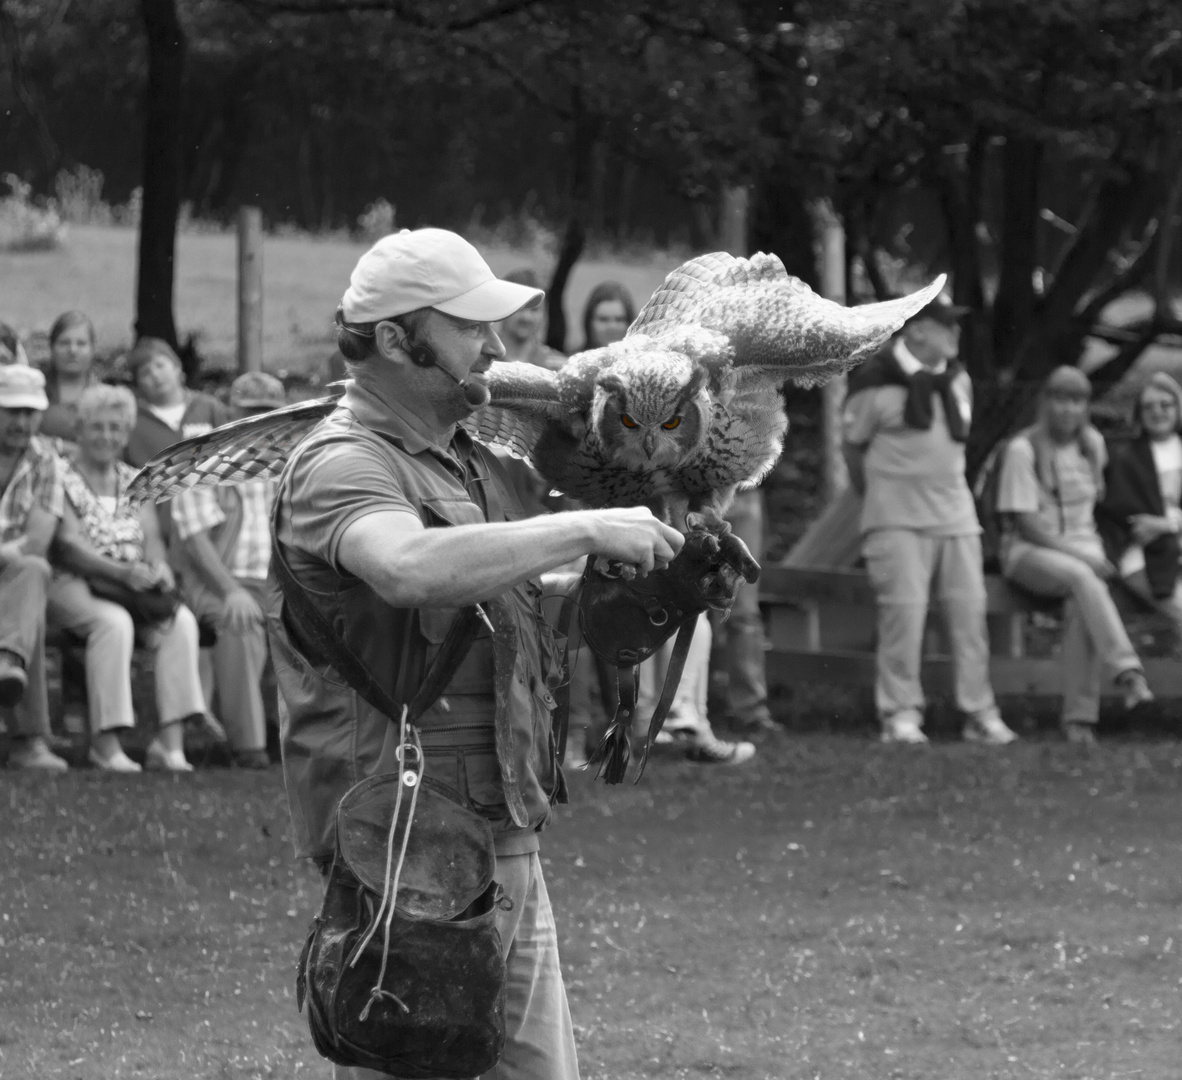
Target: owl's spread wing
(256,448)
(771,320)
(525,403)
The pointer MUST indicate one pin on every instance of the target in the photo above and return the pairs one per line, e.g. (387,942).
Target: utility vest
(488,735)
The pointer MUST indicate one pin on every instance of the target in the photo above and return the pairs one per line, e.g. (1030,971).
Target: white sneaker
(988,728)
(905,726)
(35,754)
(116,762)
(710,750)
(160,760)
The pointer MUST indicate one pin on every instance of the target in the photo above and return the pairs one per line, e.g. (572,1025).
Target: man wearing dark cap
(222,550)
(905,423)
(31,506)
(391,519)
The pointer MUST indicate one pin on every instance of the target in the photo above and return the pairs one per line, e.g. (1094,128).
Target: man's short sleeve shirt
(915,479)
(37,481)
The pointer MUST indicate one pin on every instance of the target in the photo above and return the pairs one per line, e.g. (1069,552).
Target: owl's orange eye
(669,425)
(627,421)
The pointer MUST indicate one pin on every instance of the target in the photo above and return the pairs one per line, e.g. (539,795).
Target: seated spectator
(1139,516)
(11,349)
(224,553)
(607,314)
(688,723)
(168,410)
(1050,478)
(30,508)
(522,332)
(115,553)
(71,371)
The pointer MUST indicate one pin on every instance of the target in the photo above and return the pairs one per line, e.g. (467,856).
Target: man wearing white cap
(31,505)
(391,519)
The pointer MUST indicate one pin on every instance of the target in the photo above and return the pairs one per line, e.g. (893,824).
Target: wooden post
(732,225)
(831,244)
(250,289)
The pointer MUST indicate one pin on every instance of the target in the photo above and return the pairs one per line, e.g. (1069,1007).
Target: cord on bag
(410,776)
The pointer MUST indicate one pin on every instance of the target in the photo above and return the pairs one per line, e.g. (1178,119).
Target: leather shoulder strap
(347,663)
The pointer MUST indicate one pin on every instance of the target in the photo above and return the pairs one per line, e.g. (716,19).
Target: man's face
(157,379)
(463,349)
(932,342)
(17,427)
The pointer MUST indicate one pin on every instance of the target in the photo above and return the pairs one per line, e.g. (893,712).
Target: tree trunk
(586,135)
(162,172)
(1013,309)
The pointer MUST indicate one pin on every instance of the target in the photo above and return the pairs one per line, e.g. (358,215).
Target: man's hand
(1148,527)
(240,612)
(635,537)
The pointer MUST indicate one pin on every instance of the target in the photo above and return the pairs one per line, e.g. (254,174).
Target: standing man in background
(905,423)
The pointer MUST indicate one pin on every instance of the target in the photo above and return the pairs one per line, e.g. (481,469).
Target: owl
(685,409)
(676,416)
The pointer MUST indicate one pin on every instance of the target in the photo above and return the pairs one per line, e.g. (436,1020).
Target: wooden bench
(821,627)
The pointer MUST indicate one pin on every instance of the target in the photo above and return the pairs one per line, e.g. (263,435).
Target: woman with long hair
(71,370)
(1052,476)
(608,313)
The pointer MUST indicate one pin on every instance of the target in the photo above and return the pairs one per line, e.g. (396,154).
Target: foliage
(27,224)
(1032,150)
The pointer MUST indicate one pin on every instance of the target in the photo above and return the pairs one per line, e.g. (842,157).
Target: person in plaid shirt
(31,501)
(223,551)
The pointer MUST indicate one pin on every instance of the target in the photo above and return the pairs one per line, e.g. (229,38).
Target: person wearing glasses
(1140,516)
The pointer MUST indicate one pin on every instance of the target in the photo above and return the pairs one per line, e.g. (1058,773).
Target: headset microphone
(475,394)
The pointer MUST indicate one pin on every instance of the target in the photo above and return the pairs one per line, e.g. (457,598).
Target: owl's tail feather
(615,748)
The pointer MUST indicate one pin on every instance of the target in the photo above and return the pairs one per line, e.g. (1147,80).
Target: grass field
(303,279)
(838,910)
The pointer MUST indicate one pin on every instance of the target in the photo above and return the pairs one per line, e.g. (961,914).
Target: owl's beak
(650,443)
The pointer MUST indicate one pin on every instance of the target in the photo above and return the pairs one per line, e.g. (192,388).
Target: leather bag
(148,607)
(436,1006)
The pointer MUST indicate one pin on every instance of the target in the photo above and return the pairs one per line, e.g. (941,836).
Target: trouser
(237,671)
(904,566)
(24,583)
(110,641)
(1094,636)
(742,638)
(539,1038)
(688,710)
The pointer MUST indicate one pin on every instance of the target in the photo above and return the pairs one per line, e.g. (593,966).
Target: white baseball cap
(22,387)
(432,268)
